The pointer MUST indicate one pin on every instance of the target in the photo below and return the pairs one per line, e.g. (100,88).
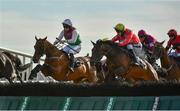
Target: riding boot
(71,62)
(135,61)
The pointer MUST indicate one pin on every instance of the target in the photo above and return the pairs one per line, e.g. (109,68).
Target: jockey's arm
(59,38)
(115,39)
(167,48)
(126,41)
(150,46)
(168,45)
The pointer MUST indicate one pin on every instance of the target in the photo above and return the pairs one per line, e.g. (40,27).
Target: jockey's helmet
(119,27)
(141,33)
(172,33)
(67,22)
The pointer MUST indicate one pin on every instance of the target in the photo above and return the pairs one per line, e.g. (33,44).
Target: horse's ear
(36,37)
(93,43)
(45,38)
(162,42)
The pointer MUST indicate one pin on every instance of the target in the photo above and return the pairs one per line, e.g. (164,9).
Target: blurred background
(21,20)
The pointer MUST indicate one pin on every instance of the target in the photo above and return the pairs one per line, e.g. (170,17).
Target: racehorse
(19,67)
(56,64)
(7,68)
(119,63)
(166,62)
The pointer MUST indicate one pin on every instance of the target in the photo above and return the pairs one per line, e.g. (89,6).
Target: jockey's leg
(71,50)
(71,62)
(134,56)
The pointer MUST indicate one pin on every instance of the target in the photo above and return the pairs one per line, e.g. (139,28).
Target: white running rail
(25,58)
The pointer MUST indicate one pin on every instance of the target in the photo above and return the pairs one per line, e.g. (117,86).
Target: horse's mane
(51,45)
(115,46)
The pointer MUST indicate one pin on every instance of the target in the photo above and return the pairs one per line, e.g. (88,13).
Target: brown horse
(119,63)
(56,64)
(167,63)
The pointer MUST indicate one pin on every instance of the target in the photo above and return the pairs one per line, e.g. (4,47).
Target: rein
(170,67)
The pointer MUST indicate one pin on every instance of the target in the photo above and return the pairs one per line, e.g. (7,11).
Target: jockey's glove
(63,41)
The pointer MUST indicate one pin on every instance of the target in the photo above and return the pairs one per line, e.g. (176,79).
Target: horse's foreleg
(34,72)
(110,77)
(19,77)
(9,79)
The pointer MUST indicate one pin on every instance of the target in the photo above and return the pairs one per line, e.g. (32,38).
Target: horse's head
(40,48)
(100,49)
(158,50)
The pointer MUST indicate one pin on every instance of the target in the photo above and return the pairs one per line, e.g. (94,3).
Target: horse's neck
(116,56)
(52,51)
(165,61)
(110,55)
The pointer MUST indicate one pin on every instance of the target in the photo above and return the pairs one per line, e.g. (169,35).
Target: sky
(21,20)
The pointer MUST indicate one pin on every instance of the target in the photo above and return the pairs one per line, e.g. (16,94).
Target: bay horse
(56,64)
(7,68)
(166,62)
(119,63)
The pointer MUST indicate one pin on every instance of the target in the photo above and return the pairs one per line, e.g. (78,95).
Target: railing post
(24,60)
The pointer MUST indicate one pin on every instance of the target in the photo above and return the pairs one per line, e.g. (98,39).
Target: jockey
(125,37)
(174,41)
(147,40)
(148,43)
(72,39)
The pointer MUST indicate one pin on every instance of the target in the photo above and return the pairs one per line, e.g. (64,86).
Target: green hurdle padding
(88,103)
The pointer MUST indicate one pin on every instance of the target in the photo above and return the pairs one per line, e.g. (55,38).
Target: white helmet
(67,22)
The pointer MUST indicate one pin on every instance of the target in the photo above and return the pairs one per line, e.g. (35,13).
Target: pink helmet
(141,33)
(172,32)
